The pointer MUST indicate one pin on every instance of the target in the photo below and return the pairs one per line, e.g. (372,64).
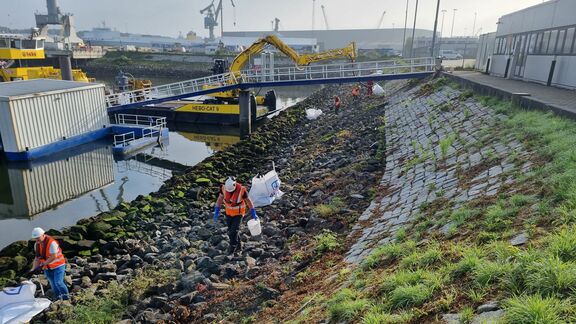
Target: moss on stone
(20,263)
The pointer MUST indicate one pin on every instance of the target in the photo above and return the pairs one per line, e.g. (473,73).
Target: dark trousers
(233,224)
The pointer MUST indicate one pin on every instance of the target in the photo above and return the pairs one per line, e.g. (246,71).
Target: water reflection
(36,186)
(215,138)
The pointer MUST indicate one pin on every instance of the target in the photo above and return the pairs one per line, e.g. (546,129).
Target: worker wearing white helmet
(235,199)
(49,258)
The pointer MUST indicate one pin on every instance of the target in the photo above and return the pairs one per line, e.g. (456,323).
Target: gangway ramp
(278,77)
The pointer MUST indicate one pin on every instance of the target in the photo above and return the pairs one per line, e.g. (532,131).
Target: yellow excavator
(300,60)
(14,49)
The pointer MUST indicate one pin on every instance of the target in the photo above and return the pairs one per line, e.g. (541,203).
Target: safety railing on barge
(344,72)
(151,127)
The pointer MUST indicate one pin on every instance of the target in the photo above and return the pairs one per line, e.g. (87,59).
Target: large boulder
(98,230)
(16,248)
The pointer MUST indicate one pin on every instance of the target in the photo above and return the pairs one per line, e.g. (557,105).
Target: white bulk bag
(18,305)
(377,90)
(312,113)
(265,189)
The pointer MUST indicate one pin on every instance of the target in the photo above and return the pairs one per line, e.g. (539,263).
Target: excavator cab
(220,66)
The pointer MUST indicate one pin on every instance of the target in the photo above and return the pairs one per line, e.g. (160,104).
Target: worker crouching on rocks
(235,198)
(49,258)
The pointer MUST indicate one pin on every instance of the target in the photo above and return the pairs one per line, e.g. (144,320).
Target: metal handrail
(124,139)
(154,127)
(132,119)
(312,72)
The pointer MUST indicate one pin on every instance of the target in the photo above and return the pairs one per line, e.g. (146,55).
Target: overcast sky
(169,17)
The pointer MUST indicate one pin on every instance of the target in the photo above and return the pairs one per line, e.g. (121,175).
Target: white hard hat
(230,184)
(37,232)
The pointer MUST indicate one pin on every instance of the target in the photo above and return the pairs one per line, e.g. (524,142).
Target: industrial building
(327,39)
(104,36)
(534,44)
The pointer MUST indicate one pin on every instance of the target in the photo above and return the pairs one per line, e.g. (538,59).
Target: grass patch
(534,309)
(346,305)
(377,315)
(422,259)
(409,296)
(388,252)
(331,209)
(325,242)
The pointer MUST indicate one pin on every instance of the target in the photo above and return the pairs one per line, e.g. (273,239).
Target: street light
(405,25)
(414,30)
(432,48)
(442,25)
(453,18)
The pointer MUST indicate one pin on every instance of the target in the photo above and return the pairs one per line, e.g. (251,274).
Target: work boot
(238,249)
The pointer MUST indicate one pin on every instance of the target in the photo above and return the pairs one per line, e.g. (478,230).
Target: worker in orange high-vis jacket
(235,199)
(337,103)
(49,258)
(355,93)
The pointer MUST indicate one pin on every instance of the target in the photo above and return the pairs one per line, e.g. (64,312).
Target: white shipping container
(38,112)
(43,187)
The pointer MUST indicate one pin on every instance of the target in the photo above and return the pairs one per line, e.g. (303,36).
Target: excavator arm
(300,60)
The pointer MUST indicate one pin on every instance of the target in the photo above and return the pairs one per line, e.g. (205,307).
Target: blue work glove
(253,213)
(216,214)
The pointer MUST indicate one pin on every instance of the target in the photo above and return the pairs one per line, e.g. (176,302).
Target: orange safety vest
(43,253)
(234,201)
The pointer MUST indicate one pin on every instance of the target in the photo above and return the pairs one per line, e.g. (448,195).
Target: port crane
(211,19)
(381,20)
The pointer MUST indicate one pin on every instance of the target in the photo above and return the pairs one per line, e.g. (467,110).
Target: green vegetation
(346,304)
(535,309)
(325,242)
(445,144)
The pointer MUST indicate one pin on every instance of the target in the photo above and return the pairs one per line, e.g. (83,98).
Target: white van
(450,55)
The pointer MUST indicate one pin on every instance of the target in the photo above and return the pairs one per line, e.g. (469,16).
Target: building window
(560,43)
(532,43)
(569,44)
(538,48)
(545,42)
(552,43)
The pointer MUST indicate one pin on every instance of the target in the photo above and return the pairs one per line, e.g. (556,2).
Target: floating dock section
(41,117)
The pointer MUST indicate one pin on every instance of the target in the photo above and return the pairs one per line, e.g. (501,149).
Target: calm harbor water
(61,189)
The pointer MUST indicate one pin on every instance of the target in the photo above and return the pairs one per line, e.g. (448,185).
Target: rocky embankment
(329,167)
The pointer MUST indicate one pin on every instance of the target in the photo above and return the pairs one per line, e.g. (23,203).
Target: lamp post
(432,48)
(453,18)
(474,25)
(405,25)
(441,30)
(414,30)
(442,25)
